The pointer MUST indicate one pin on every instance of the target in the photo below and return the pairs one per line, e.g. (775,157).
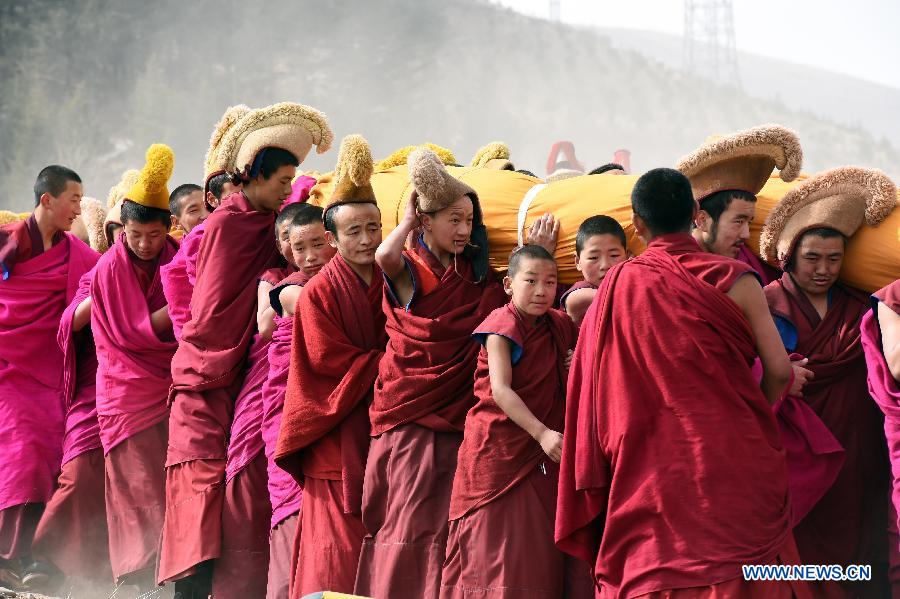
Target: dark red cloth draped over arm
(237,245)
(426,375)
(672,472)
(339,338)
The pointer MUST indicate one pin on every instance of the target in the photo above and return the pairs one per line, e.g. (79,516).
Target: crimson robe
(503,503)
(672,472)
(847,526)
(34,292)
(179,276)
(339,339)
(423,391)
(206,377)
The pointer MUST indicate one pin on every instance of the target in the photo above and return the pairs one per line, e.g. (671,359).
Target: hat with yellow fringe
(353,174)
(151,189)
(494,155)
(292,127)
(117,192)
(7,217)
(401,156)
(840,199)
(742,161)
(93,215)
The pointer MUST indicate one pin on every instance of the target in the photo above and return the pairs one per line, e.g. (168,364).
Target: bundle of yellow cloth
(873,253)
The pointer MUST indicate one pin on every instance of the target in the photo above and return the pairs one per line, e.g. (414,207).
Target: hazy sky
(856,37)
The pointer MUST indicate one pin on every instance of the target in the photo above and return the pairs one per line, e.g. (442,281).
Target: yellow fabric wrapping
(873,254)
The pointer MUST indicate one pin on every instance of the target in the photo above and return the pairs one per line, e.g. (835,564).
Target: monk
(71,541)
(339,339)
(438,291)
(819,318)
(188,207)
(675,513)
(310,250)
(242,569)
(40,268)
(135,345)
(236,247)
(880,335)
(503,503)
(600,244)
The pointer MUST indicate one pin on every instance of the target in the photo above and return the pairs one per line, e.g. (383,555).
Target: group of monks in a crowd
(285,402)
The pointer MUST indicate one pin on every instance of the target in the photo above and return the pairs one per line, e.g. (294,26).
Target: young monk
(135,345)
(339,338)
(188,207)
(628,499)
(600,244)
(880,335)
(819,318)
(242,569)
(438,291)
(40,267)
(180,275)
(310,250)
(236,247)
(504,493)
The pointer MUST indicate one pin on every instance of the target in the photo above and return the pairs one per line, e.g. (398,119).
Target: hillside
(91,83)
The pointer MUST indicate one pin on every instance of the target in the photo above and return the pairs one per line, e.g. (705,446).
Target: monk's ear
(507,286)
(174,222)
(212,200)
(45,200)
(330,239)
(640,227)
(703,220)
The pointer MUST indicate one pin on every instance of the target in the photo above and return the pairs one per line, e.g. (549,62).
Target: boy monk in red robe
(504,493)
(600,244)
(135,345)
(438,291)
(819,318)
(339,338)
(309,249)
(243,566)
(40,267)
(672,474)
(263,149)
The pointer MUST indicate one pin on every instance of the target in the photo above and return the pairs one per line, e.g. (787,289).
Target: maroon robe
(672,473)
(236,247)
(503,504)
(339,338)
(423,391)
(847,526)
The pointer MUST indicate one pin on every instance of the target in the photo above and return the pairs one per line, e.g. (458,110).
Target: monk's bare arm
(889,321)
(577,304)
(500,369)
(82,316)
(265,315)
(161,323)
(747,294)
(389,255)
(289,296)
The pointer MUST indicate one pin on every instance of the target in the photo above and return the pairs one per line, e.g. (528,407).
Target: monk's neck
(363,270)
(819,302)
(48,230)
(443,257)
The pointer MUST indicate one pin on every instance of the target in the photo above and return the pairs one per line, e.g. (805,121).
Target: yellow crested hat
(151,189)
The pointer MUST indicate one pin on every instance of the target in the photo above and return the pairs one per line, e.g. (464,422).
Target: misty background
(92,83)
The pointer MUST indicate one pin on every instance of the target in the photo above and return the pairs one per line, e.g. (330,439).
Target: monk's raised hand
(801,377)
(569,354)
(411,215)
(544,232)
(551,443)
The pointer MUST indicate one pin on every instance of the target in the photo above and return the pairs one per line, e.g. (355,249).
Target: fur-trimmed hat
(214,165)
(435,188)
(743,161)
(494,155)
(117,192)
(7,217)
(353,174)
(151,189)
(287,125)
(93,215)
(401,156)
(840,198)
